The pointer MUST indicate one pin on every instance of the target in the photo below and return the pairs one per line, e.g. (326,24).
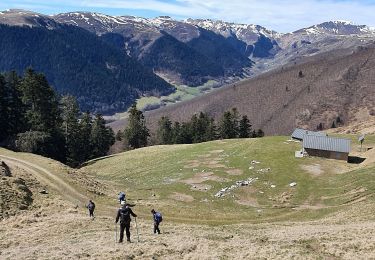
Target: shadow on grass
(355,160)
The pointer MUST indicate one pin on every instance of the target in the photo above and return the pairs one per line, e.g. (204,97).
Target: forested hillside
(76,62)
(34,119)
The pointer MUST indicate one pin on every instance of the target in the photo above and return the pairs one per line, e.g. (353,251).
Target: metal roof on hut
(299,133)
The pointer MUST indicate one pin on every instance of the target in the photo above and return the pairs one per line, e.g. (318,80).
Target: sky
(279,15)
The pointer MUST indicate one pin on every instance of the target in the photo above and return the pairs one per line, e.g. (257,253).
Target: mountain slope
(335,84)
(77,62)
(181,53)
(251,40)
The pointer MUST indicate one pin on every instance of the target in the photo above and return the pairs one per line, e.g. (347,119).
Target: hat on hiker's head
(152,211)
(123,202)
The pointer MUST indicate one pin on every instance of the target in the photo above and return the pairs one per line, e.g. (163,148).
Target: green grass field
(181,181)
(182,93)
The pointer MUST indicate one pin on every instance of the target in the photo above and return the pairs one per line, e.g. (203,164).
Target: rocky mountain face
(183,52)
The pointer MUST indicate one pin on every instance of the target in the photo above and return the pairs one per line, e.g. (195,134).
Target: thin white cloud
(281,15)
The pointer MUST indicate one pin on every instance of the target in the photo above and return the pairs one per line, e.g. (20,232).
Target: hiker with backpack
(122,197)
(91,208)
(157,219)
(123,214)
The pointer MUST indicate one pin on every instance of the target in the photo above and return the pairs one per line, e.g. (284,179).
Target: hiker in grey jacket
(123,214)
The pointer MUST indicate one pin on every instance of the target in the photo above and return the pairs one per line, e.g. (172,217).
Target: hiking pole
(136,226)
(115,232)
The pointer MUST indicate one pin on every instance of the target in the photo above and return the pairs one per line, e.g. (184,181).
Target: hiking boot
(128,240)
(120,241)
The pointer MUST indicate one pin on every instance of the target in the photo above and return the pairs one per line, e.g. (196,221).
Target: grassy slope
(151,177)
(85,186)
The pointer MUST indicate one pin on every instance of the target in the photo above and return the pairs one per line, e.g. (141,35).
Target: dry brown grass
(55,230)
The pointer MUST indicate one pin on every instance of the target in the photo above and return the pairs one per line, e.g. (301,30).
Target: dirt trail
(48,178)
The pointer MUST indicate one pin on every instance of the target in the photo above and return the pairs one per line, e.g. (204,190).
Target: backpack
(91,206)
(124,215)
(121,196)
(158,217)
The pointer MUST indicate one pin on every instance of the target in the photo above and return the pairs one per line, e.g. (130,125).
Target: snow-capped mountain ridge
(338,27)
(246,32)
(174,47)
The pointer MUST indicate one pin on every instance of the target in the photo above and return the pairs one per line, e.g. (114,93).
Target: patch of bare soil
(363,123)
(314,169)
(234,172)
(216,151)
(202,177)
(312,207)
(181,197)
(215,165)
(252,202)
(192,164)
(201,187)
(247,196)
(283,200)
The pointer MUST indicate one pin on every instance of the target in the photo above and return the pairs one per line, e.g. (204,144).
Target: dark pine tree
(164,132)
(85,129)
(229,124)
(40,100)
(102,137)
(16,109)
(3,110)
(244,128)
(70,128)
(211,132)
(136,132)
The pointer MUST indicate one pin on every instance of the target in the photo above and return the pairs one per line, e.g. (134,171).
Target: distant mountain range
(117,57)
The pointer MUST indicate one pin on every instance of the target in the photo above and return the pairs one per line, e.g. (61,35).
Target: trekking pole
(136,226)
(115,232)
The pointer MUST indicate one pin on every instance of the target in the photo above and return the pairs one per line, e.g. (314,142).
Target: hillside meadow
(328,214)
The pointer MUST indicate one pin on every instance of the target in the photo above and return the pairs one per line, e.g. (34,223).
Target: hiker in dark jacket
(91,208)
(157,219)
(123,214)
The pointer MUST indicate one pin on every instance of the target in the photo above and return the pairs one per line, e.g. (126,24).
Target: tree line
(200,128)
(33,118)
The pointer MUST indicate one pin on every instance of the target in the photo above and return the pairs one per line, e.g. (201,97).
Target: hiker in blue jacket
(157,219)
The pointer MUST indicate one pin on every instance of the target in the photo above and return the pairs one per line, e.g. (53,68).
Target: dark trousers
(156,227)
(124,226)
(91,212)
